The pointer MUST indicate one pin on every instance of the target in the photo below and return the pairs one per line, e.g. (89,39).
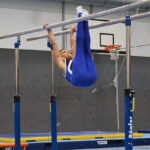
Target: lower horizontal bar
(121,20)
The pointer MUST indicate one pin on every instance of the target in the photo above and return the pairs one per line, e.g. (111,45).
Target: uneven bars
(121,20)
(75,20)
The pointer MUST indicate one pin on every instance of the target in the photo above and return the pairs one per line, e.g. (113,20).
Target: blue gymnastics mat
(121,148)
(92,140)
(86,135)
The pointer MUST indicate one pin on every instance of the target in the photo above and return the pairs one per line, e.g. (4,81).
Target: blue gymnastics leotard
(81,71)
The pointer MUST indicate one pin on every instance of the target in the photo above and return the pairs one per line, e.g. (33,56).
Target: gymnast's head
(66,54)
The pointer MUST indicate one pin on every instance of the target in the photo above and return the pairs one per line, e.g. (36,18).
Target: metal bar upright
(129,93)
(17,98)
(53,104)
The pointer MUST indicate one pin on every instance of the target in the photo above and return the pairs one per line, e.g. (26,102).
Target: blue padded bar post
(17,98)
(53,104)
(53,123)
(128,119)
(17,122)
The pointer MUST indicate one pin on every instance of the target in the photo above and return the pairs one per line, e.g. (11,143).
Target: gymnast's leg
(79,62)
(89,60)
(83,69)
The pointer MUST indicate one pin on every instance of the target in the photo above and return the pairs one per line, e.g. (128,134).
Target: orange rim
(112,47)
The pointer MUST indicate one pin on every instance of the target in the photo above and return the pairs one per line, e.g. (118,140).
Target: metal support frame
(129,93)
(17,97)
(63,18)
(114,55)
(117,95)
(53,103)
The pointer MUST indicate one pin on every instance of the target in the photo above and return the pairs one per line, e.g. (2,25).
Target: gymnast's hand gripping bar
(75,20)
(121,20)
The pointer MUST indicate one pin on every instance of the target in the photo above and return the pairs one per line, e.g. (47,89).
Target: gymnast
(78,67)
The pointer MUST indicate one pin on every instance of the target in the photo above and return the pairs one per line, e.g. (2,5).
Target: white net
(114,54)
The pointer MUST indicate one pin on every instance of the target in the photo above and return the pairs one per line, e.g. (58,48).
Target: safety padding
(68,137)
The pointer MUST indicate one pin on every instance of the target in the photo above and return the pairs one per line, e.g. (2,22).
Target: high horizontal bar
(121,20)
(75,20)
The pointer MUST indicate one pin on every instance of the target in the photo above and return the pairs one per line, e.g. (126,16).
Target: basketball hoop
(113,49)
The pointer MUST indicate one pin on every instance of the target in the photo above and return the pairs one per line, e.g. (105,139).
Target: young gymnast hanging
(78,66)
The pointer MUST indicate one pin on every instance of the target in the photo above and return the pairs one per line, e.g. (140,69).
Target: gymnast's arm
(55,49)
(73,41)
